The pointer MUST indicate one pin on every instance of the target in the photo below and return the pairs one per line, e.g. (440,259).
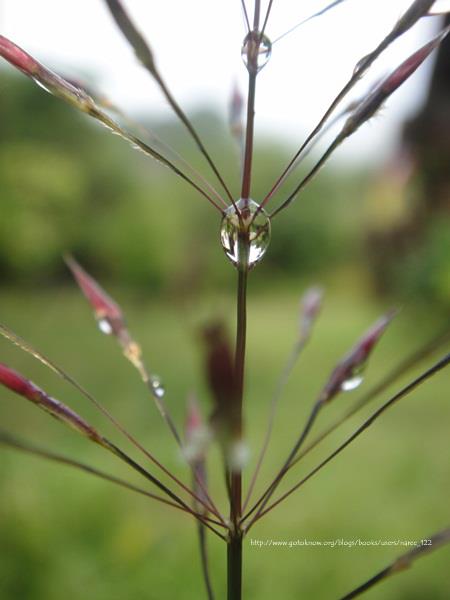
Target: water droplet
(440,7)
(354,380)
(198,443)
(157,387)
(238,455)
(258,231)
(361,65)
(105,326)
(256,51)
(41,85)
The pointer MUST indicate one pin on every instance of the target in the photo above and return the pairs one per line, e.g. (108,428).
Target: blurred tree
(413,253)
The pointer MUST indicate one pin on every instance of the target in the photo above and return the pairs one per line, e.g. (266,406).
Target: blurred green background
(67,186)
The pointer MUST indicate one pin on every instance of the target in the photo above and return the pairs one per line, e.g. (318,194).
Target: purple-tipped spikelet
(311,304)
(197,434)
(370,105)
(27,389)
(347,374)
(106,311)
(46,78)
(221,376)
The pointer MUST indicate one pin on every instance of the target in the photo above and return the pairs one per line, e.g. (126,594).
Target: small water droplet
(41,85)
(258,232)
(157,386)
(105,326)
(360,65)
(354,380)
(238,455)
(256,51)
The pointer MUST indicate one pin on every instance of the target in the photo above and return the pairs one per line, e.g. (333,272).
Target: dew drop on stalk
(157,387)
(257,228)
(105,326)
(354,379)
(263,49)
(440,7)
(41,85)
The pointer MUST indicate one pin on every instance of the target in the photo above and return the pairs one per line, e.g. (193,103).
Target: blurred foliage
(68,186)
(65,533)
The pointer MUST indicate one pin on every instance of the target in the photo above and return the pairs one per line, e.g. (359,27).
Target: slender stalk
(265,497)
(248,152)
(241,335)
(266,18)
(299,345)
(139,469)
(308,177)
(246,19)
(26,347)
(408,19)
(441,364)
(199,474)
(12,442)
(303,21)
(234,563)
(234,546)
(145,55)
(171,424)
(204,560)
(234,549)
(404,561)
(391,377)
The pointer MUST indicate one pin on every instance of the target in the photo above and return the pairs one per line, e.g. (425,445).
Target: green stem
(234,545)
(234,562)
(234,550)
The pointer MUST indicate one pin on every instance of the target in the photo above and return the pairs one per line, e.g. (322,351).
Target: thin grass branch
(405,391)
(403,562)
(366,109)
(26,347)
(311,302)
(390,378)
(80,99)
(417,9)
(145,56)
(310,18)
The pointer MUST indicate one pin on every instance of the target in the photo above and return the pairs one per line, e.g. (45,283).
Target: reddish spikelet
(235,112)
(352,364)
(197,435)
(18,384)
(102,304)
(27,389)
(221,375)
(19,58)
(52,82)
(407,68)
(311,304)
(194,419)
(369,106)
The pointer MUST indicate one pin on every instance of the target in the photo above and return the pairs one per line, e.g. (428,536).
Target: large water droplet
(354,380)
(157,387)
(105,326)
(258,231)
(440,7)
(256,51)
